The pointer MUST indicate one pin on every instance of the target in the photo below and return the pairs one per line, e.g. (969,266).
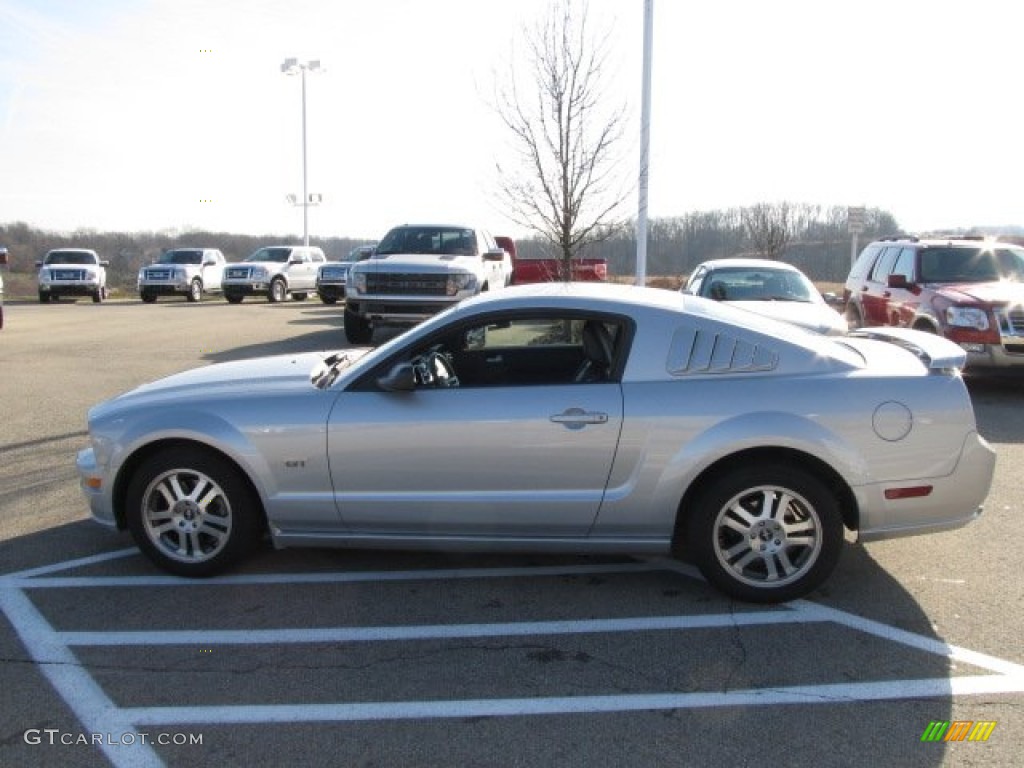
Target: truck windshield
(971,265)
(279,255)
(455,241)
(182,257)
(70,257)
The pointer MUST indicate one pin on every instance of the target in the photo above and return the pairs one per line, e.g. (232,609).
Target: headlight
(44,275)
(259,273)
(967,317)
(359,281)
(460,281)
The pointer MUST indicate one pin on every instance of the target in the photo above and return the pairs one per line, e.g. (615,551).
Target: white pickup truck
(416,271)
(72,272)
(189,272)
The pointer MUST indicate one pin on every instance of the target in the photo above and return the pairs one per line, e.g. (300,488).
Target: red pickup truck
(545,270)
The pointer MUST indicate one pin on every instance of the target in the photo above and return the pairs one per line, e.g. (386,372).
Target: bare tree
(565,183)
(769,227)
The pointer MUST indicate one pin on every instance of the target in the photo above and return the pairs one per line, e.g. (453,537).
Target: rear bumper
(954,501)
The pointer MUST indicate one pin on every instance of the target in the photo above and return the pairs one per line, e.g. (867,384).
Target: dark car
(968,290)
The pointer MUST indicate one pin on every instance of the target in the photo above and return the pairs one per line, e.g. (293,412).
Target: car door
(875,292)
(212,270)
(487,458)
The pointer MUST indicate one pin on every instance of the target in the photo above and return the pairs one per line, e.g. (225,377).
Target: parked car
(769,288)
(72,272)
(332,277)
(275,271)
(591,417)
(416,271)
(968,290)
(188,272)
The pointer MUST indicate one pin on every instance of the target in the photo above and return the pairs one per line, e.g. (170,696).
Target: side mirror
(39,264)
(104,262)
(898,281)
(400,378)
(494,254)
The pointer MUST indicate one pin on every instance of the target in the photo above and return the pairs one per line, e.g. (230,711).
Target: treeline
(129,252)
(816,239)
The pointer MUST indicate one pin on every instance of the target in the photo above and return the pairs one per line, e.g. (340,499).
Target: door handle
(577,418)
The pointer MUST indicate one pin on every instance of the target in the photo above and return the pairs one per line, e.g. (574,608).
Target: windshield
(455,241)
(757,284)
(971,265)
(279,255)
(182,257)
(70,257)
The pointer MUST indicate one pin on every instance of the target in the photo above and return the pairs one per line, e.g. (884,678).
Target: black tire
(195,291)
(99,295)
(300,296)
(233,298)
(765,556)
(328,299)
(358,329)
(192,512)
(44,298)
(278,291)
(148,298)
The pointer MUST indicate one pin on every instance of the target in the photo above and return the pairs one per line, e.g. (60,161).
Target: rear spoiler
(936,352)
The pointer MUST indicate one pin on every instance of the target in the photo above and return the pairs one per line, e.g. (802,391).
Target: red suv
(968,290)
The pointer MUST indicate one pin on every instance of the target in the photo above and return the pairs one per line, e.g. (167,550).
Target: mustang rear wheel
(192,512)
(766,534)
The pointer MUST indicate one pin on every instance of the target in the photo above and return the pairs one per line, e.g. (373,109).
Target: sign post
(855,224)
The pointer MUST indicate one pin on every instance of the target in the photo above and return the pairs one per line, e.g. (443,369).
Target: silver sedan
(587,418)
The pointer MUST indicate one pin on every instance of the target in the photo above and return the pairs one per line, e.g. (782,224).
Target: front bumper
(69,288)
(246,289)
(397,311)
(97,487)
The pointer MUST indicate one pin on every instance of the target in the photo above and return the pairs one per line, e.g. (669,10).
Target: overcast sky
(133,115)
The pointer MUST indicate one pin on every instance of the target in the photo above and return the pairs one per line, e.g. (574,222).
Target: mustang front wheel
(766,534)
(191,512)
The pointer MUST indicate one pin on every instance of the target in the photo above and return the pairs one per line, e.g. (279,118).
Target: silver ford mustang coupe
(559,417)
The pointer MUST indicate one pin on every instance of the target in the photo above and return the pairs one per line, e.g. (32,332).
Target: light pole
(296,67)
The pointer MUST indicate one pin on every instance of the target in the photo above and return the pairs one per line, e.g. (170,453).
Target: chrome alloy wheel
(767,536)
(186,515)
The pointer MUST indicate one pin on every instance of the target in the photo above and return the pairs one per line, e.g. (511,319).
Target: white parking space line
(51,651)
(433,632)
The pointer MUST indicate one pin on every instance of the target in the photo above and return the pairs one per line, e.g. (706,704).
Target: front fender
(200,427)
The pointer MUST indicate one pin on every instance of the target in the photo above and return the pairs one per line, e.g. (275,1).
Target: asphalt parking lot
(310,657)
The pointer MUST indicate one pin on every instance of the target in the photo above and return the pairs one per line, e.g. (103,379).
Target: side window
(864,262)
(548,350)
(905,264)
(696,280)
(884,264)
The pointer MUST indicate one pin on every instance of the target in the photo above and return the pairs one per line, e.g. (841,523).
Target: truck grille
(1015,317)
(236,273)
(69,274)
(398,284)
(157,274)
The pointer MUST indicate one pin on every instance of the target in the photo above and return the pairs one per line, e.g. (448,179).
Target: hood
(425,263)
(994,292)
(819,318)
(256,375)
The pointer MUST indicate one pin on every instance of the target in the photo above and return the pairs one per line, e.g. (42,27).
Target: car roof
(747,263)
